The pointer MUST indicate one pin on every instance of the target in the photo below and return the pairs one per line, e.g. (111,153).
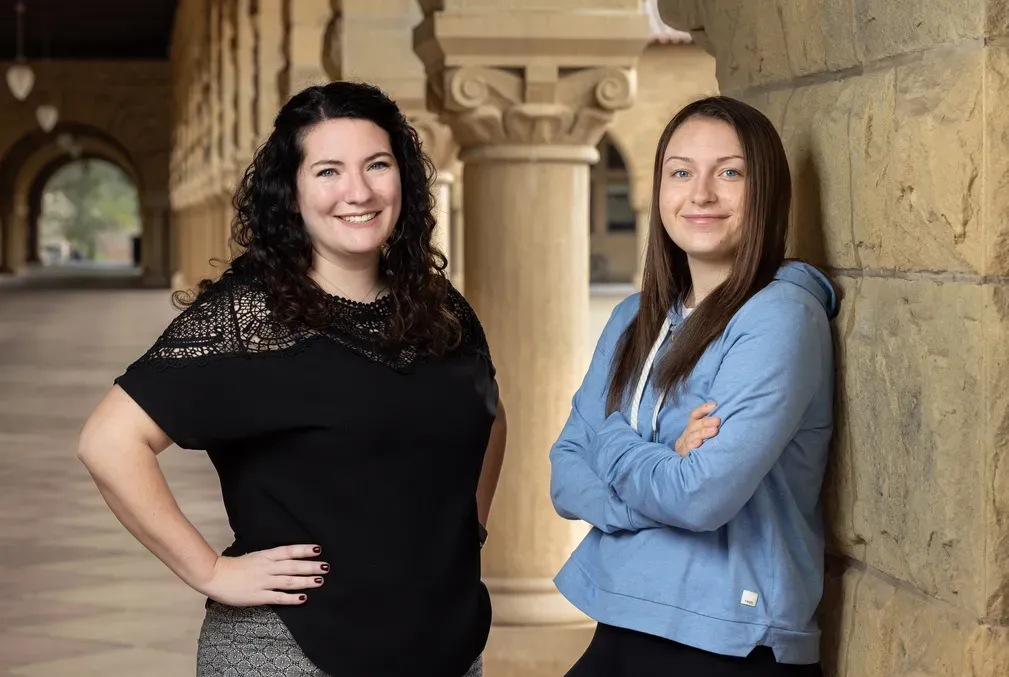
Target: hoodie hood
(800,274)
(812,280)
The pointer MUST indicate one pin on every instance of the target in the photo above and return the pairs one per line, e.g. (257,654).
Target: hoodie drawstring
(639,392)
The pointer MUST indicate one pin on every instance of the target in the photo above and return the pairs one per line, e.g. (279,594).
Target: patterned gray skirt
(254,642)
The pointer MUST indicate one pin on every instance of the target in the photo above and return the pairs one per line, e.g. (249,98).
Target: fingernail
(302,598)
(324,567)
(316,550)
(319,581)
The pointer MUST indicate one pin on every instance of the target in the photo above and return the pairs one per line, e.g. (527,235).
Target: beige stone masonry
(896,130)
(309,20)
(230,79)
(528,89)
(272,90)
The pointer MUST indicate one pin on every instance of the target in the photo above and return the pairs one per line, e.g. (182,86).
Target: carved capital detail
(532,106)
(436,137)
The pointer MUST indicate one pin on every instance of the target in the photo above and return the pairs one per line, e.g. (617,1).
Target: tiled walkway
(79,597)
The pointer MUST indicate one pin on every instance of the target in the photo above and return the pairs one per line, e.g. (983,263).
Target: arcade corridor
(78,596)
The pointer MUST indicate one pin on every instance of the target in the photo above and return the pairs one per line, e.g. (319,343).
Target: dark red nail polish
(302,598)
(316,550)
(324,567)
(319,581)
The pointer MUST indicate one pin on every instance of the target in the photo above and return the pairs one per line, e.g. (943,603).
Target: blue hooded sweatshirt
(722,549)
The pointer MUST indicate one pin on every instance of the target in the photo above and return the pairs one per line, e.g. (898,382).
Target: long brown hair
(666,280)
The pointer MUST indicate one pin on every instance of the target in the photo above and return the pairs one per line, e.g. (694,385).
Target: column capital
(436,138)
(545,111)
(533,81)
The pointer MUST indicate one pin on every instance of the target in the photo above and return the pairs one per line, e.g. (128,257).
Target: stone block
(876,627)
(802,30)
(997,18)
(748,38)
(760,43)
(885,28)
(886,166)
(814,126)
(837,24)
(750,44)
(906,488)
(996,183)
(933,193)
(996,484)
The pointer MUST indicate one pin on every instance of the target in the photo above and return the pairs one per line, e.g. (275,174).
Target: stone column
(15,238)
(896,126)
(308,20)
(177,251)
(641,202)
(440,147)
(230,21)
(371,41)
(247,76)
(221,30)
(154,256)
(528,103)
(34,228)
(215,92)
(270,69)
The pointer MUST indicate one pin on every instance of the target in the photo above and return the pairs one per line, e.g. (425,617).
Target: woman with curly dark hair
(344,391)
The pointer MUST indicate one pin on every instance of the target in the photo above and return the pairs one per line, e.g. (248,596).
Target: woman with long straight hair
(697,443)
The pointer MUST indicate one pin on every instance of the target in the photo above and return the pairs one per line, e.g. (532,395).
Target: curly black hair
(275,246)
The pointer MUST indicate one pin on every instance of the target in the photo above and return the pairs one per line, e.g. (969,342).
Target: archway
(84,210)
(612,219)
(36,157)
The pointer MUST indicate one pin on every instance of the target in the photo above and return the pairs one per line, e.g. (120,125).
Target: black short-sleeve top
(328,437)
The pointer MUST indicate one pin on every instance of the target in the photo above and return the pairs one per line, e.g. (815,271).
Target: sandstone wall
(894,117)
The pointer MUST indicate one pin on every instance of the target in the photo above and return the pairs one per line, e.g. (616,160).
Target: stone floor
(78,596)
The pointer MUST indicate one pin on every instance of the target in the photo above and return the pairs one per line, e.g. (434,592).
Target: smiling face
(703,189)
(349,190)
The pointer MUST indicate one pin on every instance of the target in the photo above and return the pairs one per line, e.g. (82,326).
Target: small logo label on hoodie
(749,598)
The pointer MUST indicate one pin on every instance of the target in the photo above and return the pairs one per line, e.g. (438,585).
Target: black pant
(616,652)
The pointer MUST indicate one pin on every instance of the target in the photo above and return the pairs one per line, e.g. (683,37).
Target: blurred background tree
(90,204)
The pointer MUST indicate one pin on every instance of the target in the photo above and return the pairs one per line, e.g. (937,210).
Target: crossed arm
(603,472)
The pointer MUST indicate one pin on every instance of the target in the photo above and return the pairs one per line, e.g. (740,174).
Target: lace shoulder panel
(231,317)
(473,338)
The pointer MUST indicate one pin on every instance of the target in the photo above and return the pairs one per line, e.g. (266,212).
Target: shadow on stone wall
(808,242)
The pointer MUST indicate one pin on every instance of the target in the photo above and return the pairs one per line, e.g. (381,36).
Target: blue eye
(327,172)
(732,173)
(680,174)
(381,164)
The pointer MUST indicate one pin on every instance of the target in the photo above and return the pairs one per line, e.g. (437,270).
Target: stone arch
(45,175)
(639,169)
(613,215)
(33,159)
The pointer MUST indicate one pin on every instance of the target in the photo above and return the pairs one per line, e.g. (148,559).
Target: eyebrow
(368,159)
(686,159)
